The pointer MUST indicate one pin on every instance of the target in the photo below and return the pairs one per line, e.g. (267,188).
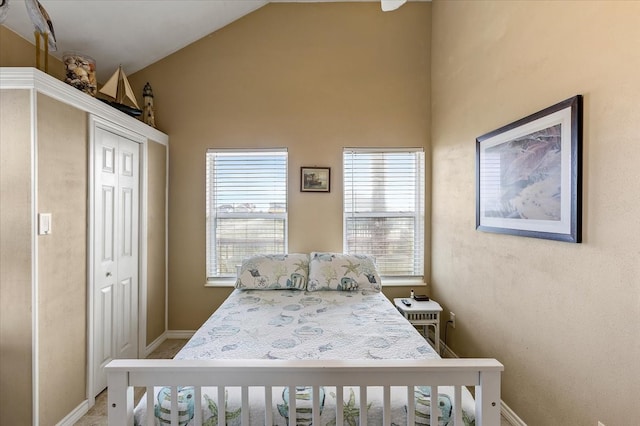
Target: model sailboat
(119,89)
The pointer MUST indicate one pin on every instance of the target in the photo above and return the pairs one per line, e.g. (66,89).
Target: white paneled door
(116,195)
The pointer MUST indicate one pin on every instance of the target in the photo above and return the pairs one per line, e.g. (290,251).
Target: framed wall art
(315,179)
(529,175)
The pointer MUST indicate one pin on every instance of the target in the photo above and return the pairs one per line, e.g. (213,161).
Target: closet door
(116,260)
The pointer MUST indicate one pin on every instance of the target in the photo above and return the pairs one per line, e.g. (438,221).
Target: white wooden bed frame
(483,374)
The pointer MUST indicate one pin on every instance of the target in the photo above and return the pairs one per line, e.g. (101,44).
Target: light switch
(44,223)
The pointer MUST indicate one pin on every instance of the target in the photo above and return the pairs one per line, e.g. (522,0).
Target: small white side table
(424,313)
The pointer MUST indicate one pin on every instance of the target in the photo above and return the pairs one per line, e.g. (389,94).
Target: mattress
(293,324)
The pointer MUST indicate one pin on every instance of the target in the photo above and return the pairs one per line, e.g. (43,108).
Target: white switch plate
(44,223)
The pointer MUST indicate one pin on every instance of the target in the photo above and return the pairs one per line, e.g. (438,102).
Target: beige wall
(563,318)
(61,262)
(62,173)
(15,257)
(18,52)
(156,237)
(62,275)
(310,77)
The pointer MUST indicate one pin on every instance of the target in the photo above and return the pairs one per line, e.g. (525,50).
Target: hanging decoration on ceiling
(43,27)
(149,113)
(389,5)
(4,10)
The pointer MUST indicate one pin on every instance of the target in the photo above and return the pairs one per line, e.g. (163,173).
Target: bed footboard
(483,374)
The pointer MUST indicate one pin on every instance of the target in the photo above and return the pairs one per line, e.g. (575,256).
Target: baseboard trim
(74,416)
(169,334)
(446,352)
(510,416)
(154,345)
(507,413)
(180,334)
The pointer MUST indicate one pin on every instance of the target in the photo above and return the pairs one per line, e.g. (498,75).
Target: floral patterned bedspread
(293,324)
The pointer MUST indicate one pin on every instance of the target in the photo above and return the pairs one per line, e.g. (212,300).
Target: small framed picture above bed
(315,179)
(529,175)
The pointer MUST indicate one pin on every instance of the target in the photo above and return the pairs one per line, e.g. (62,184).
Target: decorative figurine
(119,89)
(149,117)
(4,10)
(43,27)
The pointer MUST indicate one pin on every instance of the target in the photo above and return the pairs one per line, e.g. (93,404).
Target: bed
(310,335)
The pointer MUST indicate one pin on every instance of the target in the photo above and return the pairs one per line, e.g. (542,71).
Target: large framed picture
(529,175)
(315,179)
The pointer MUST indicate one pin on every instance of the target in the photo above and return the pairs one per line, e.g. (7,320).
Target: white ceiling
(133,33)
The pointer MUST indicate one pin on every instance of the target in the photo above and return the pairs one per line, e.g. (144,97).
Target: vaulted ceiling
(133,33)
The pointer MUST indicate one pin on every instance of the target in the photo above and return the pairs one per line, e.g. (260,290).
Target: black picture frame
(529,175)
(315,179)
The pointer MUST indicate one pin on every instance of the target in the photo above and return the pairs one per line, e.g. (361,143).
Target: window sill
(221,282)
(402,282)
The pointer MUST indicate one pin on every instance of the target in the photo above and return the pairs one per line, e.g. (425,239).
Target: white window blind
(384,208)
(246,207)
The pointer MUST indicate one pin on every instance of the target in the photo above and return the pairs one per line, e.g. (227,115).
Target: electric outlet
(452,317)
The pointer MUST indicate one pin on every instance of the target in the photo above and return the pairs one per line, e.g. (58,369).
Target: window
(246,207)
(384,208)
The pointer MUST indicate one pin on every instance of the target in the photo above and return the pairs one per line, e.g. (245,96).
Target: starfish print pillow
(344,272)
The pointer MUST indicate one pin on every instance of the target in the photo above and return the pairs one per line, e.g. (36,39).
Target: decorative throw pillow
(274,272)
(162,409)
(337,271)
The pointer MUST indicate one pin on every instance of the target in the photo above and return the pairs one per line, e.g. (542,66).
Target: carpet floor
(97,415)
